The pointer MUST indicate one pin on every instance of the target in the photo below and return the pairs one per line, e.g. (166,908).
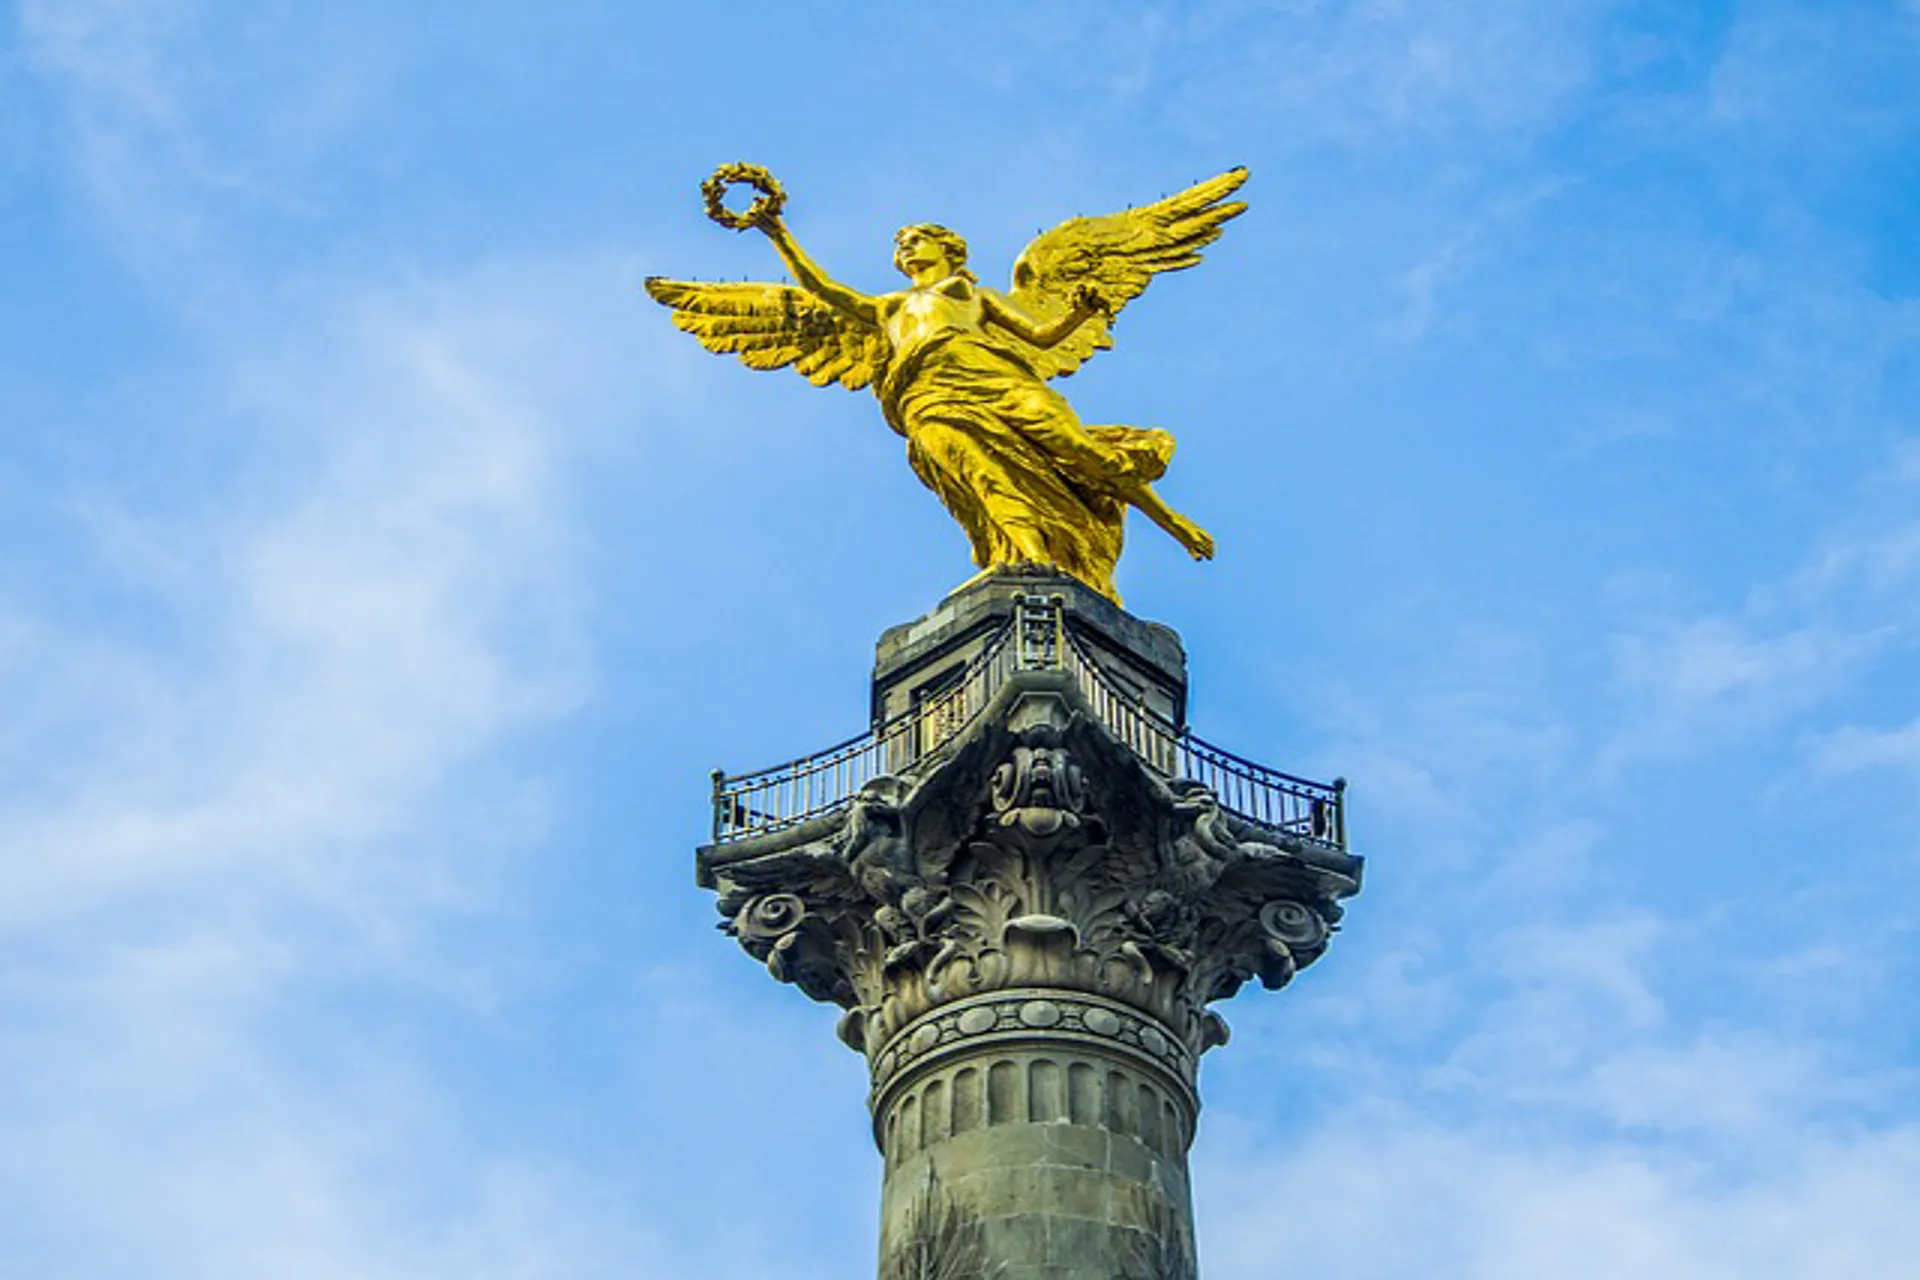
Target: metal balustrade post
(1340,814)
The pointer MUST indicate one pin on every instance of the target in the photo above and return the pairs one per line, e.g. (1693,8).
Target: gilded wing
(771,326)
(1117,255)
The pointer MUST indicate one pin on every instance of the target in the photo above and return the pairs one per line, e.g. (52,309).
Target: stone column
(1038,1131)
(1025,919)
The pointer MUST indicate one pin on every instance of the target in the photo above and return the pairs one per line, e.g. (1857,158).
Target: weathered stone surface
(1025,926)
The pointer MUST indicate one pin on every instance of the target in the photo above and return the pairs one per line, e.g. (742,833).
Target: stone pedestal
(1025,886)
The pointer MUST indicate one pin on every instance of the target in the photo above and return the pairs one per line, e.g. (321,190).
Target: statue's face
(914,251)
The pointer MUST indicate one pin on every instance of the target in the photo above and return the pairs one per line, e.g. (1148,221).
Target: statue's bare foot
(1197,541)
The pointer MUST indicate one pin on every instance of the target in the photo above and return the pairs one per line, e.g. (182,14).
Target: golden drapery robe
(1010,459)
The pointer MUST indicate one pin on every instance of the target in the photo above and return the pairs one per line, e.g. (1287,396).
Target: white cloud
(1906,457)
(178,123)
(125,130)
(157,1126)
(1565,994)
(1422,284)
(1804,639)
(287,767)
(1730,1085)
(1359,72)
(1827,81)
(1351,73)
(1709,659)
(1854,748)
(1879,562)
(1390,1194)
(1576,1125)
(386,594)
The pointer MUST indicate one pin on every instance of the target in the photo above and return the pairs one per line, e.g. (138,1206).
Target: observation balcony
(936,676)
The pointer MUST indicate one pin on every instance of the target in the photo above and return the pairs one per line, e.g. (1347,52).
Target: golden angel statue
(961,370)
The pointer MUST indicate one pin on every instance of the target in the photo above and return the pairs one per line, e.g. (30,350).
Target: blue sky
(383,574)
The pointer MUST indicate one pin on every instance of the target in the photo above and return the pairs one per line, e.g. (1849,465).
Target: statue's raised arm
(828,333)
(814,279)
(961,371)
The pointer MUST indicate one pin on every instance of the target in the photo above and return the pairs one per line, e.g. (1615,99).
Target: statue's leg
(1098,457)
(1197,541)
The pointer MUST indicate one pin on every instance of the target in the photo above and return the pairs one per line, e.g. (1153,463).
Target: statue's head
(912,244)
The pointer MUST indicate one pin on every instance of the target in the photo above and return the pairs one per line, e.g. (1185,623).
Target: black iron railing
(1316,810)
(1036,638)
(751,804)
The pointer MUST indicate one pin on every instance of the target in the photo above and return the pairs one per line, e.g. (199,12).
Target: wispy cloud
(1853,748)
(1802,639)
(1572,1119)
(1714,660)
(1389,1194)
(1357,73)
(386,594)
(124,127)
(285,771)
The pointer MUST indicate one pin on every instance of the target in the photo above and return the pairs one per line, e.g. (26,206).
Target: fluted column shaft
(1045,1131)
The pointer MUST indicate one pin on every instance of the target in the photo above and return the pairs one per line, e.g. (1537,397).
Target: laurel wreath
(765,208)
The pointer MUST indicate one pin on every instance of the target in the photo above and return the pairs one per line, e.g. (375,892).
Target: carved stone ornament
(1035,850)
